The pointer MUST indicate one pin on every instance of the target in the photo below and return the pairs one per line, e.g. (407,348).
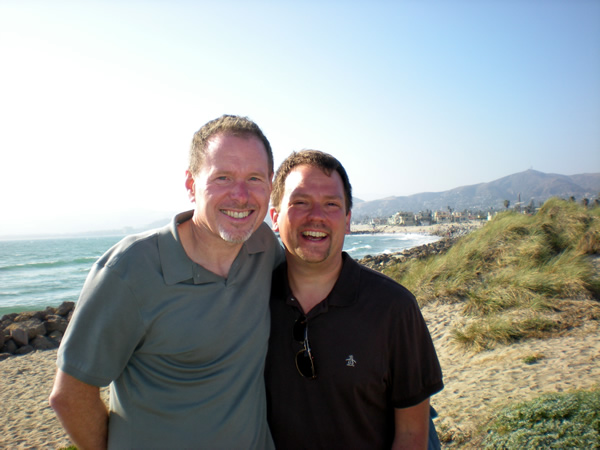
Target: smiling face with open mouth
(232,188)
(312,220)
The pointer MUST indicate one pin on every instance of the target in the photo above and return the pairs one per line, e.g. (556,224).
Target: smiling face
(231,190)
(312,219)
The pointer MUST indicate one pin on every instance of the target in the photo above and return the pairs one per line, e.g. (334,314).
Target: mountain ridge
(530,185)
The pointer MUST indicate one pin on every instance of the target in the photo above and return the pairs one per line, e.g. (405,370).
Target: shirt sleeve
(104,331)
(416,371)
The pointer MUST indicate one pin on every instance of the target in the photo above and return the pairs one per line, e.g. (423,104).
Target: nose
(316,212)
(239,191)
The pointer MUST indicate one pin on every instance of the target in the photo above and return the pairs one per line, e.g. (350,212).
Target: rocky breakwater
(25,332)
(380,262)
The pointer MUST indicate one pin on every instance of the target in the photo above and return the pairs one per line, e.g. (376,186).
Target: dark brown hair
(315,158)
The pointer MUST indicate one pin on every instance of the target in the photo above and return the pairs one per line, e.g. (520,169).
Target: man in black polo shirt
(350,363)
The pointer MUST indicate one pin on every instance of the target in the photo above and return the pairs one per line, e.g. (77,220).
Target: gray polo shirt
(183,347)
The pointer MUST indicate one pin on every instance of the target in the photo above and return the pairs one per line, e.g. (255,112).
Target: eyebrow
(328,197)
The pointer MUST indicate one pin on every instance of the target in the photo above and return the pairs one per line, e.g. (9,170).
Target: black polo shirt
(372,353)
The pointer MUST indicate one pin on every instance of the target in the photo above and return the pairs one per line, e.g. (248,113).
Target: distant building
(442,217)
(423,218)
(402,218)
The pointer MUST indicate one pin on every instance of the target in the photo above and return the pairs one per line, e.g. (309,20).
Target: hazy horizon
(141,220)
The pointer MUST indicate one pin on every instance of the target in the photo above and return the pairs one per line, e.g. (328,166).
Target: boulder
(56,336)
(22,333)
(26,316)
(65,308)
(24,350)
(9,347)
(34,327)
(55,323)
(43,343)
(9,318)
(19,336)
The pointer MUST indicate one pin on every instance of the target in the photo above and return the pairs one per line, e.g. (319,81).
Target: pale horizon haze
(99,99)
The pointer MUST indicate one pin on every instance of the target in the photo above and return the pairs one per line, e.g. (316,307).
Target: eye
(221,179)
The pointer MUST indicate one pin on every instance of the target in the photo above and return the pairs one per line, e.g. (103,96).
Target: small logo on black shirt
(350,361)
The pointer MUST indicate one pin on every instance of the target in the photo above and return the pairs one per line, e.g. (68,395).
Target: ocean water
(35,273)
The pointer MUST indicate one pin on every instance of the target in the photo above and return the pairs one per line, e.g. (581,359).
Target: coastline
(454,229)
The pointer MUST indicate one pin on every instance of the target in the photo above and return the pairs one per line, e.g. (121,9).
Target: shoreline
(443,229)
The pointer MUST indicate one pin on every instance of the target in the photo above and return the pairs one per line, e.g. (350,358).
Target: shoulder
(264,235)
(376,288)
(131,249)
(380,282)
(264,241)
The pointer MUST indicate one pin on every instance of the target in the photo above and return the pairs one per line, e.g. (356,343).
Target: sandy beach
(475,383)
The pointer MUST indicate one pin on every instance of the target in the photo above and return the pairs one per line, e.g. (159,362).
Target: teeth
(317,234)
(237,214)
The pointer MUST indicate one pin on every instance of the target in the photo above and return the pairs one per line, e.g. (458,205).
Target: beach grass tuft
(518,277)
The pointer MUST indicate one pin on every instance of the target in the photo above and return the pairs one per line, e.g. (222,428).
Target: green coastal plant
(565,420)
(517,277)
(532,359)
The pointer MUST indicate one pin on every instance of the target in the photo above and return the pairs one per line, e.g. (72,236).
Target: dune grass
(518,276)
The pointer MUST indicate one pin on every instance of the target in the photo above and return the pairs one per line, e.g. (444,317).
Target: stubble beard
(311,258)
(236,236)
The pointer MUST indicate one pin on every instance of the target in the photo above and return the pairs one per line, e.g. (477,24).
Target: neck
(311,283)
(216,255)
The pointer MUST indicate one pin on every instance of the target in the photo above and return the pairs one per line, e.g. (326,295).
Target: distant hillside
(531,185)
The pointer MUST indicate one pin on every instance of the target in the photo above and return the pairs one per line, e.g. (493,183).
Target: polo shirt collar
(345,290)
(177,266)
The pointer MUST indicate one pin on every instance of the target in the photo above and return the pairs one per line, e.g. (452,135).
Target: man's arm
(412,426)
(81,411)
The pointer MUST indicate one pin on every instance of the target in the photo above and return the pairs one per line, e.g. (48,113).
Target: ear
(348,221)
(274,216)
(190,186)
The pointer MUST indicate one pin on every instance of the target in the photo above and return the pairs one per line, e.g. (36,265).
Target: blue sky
(99,100)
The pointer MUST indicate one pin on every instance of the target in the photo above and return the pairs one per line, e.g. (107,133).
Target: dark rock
(24,332)
(56,336)
(19,336)
(29,315)
(9,347)
(9,318)
(65,308)
(55,323)
(24,350)
(34,327)
(43,343)
(380,262)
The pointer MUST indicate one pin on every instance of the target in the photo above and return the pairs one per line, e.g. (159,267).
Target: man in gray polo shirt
(176,320)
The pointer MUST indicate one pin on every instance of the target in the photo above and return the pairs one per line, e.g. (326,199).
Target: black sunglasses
(304,360)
